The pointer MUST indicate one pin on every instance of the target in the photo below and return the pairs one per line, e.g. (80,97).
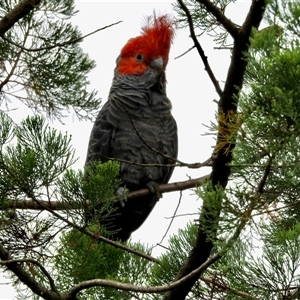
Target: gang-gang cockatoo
(136,126)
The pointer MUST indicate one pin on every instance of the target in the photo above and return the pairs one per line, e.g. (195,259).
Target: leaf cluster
(32,157)
(42,64)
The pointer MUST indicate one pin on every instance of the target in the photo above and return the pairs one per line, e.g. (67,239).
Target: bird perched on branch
(135,126)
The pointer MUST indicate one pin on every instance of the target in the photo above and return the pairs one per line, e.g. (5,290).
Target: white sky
(189,88)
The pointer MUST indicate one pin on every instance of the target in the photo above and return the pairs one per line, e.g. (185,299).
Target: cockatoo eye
(140,57)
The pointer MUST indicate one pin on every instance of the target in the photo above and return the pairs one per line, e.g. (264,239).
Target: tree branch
(199,48)
(58,205)
(25,277)
(51,206)
(44,205)
(262,183)
(22,9)
(185,52)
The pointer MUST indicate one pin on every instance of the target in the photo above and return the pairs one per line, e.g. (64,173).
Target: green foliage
(287,15)
(73,261)
(101,174)
(33,156)
(89,189)
(270,118)
(38,156)
(81,258)
(49,69)
(99,185)
(266,39)
(212,200)
(268,269)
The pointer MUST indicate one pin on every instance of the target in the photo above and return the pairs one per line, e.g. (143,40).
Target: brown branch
(11,73)
(199,48)
(14,266)
(70,42)
(58,205)
(183,215)
(22,9)
(220,17)
(223,48)
(171,187)
(116,244)
(51,206)
(270,211)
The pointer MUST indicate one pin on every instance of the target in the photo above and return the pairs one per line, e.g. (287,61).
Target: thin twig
(269,211)
(199,48)
(182,215)
(172,219)
(223,48)
(262,183)
(185,52)
(197,165)
(27,278)
(70,42)
(97,236)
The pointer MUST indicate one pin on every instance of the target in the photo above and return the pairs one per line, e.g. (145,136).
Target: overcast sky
(189,89)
